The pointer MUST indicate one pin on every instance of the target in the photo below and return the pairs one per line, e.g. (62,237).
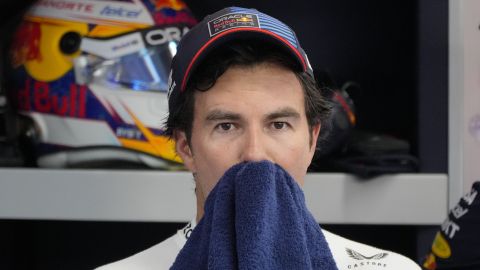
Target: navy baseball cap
(229,24)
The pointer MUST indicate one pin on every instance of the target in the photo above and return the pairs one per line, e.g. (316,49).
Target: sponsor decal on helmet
(362,261)
(129,132)
(125,44)
(69,103)
(131,43)
(232,20)
(114,47)
(120,12)
(80,6)
(100,12)
(163,35)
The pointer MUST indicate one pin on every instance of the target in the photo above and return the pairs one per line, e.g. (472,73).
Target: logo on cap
(232,20)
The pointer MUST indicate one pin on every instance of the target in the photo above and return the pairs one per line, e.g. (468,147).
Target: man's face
(250,114)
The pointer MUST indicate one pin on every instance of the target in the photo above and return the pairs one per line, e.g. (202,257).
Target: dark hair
(245,53)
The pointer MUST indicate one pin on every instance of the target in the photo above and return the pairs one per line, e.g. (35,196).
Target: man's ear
(183,149)
(314,137)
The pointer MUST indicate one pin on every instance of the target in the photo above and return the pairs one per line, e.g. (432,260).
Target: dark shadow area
(85,245)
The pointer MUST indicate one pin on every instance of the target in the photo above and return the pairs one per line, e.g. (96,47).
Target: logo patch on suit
(365,262)
(357,256)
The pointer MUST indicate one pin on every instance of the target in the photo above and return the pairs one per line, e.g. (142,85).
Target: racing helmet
(92,76)
(342,119)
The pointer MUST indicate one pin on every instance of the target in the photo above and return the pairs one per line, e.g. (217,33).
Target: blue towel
(256,218)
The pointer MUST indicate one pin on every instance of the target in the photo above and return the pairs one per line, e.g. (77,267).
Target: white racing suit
(346,253)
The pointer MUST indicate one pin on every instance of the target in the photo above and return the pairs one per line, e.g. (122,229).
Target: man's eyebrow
(217,115)
(282,113)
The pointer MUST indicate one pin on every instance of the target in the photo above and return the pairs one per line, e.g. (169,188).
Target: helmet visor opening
(144,70)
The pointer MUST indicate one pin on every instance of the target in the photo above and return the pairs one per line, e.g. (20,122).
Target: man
(456,243)
(242,90)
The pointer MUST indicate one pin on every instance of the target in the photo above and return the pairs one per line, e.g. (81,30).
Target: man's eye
(279,125)
(225,126)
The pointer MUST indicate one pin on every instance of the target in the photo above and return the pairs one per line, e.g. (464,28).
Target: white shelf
(117,195)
